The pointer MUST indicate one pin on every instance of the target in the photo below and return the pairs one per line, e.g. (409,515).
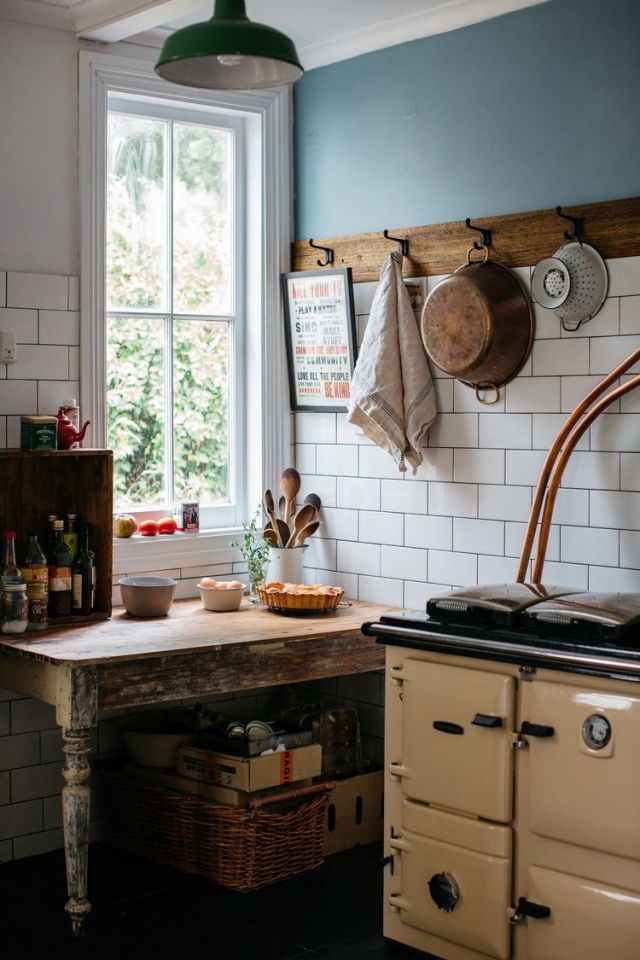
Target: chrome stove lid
(596,614)
(498,603)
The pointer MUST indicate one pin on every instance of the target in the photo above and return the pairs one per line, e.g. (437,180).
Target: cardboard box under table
(198,788)
(250,773)
(277,835)
(354,815)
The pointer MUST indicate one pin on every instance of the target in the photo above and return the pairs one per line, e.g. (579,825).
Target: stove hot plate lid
(496,602)
(587,611)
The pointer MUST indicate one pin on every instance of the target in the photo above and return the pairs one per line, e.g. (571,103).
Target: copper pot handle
(487,386)
(472,249)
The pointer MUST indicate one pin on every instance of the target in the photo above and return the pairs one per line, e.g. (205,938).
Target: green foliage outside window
(139,349)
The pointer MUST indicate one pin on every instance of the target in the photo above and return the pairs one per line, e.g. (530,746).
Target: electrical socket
(8,351)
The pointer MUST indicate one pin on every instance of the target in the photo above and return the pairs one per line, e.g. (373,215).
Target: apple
(124,525)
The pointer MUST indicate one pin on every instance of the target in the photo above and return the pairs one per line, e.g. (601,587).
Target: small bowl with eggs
(221,596)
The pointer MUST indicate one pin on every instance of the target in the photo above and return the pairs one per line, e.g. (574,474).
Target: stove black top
(531,624)
(497,603)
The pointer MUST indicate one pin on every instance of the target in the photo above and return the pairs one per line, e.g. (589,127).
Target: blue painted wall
(524,111)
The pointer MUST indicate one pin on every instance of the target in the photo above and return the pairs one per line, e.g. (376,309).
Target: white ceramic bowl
(221,601)
(147,596)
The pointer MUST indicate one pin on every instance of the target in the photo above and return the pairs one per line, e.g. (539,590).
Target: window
(185,229)
(174,294)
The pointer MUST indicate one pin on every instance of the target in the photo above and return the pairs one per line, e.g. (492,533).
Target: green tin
(38,433)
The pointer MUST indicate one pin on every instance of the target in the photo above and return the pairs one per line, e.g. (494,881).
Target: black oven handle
(444,643)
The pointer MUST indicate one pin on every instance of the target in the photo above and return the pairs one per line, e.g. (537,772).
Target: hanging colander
(573,283)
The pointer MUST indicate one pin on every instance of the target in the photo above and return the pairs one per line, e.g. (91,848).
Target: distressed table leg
(76,796)
(76,713)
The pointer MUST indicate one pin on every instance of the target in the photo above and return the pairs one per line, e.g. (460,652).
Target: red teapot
(68,436)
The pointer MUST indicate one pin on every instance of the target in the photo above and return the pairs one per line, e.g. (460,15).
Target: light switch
(7,347)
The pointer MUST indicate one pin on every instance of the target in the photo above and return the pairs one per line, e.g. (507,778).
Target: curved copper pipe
(552,456)
(550,500)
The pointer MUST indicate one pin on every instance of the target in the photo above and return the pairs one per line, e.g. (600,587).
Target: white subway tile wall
(465,510)
(42,310)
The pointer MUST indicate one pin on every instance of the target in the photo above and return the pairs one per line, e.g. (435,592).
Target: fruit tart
(300,596)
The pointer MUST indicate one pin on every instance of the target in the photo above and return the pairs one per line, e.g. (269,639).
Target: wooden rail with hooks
(517,240)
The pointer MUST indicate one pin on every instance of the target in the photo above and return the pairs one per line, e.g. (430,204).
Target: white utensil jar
(285,565)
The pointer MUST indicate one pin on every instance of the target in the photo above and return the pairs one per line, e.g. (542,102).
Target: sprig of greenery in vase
(255,551)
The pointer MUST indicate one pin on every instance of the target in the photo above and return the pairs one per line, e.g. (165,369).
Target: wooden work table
(126,662)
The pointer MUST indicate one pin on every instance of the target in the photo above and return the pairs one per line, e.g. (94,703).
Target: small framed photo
(322,343)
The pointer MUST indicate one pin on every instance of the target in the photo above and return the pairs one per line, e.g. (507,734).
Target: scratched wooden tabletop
(187,628)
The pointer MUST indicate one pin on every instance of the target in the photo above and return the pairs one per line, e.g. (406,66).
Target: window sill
(179,550)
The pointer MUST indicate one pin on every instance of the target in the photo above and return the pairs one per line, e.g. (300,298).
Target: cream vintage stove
(512,814)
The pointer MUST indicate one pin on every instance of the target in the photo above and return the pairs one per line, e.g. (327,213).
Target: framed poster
(321,336)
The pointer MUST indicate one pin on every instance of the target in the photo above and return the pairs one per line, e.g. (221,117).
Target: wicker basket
(243,849)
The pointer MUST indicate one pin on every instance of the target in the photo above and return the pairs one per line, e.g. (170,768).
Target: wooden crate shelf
(36,483)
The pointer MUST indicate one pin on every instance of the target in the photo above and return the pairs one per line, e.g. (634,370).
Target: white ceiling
(324,30)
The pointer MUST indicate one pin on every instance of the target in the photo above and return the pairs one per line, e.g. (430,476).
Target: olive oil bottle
(59,573)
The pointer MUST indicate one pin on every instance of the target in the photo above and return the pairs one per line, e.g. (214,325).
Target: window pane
(202,234)
(136,409)
(201,433)
(136,213)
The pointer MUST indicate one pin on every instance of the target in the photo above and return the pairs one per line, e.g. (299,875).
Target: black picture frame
(297,403)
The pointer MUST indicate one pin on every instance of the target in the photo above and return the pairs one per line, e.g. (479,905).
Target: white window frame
(267,118)
(223,515)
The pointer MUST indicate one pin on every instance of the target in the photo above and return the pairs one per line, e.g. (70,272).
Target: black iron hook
(485,233)
(576,225)
(404,243)
(328,254)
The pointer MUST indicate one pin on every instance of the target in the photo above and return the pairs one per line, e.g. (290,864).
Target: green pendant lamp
(229,52)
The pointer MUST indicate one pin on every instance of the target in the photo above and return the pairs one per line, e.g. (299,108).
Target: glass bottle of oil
(59,574)
(71,534)
(35,573)
(83,575)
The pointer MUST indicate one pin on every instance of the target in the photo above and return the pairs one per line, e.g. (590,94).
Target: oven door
(455,879)
(457,735)
(588,920)
(582,781)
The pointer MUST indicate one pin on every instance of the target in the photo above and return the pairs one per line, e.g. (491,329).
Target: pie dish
(300,597)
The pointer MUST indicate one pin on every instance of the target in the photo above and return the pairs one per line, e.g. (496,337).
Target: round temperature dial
(596,731)
(444,891)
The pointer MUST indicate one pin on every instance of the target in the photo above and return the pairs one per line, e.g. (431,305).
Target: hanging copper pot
(477,325)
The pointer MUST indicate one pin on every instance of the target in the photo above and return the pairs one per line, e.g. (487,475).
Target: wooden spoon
(270,535)
(281,528)
(304,516)
(306,532)
(314,500)
(282,504)
(290,487)
(270,510)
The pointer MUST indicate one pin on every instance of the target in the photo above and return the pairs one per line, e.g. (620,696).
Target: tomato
(167,525)
(148,528)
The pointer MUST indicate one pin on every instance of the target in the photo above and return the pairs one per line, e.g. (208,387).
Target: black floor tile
(363,948)
(142,910)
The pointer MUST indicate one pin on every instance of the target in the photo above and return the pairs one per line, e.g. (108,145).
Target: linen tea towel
(393,399)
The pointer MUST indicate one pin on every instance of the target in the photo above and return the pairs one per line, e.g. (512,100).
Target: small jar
(14,608)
